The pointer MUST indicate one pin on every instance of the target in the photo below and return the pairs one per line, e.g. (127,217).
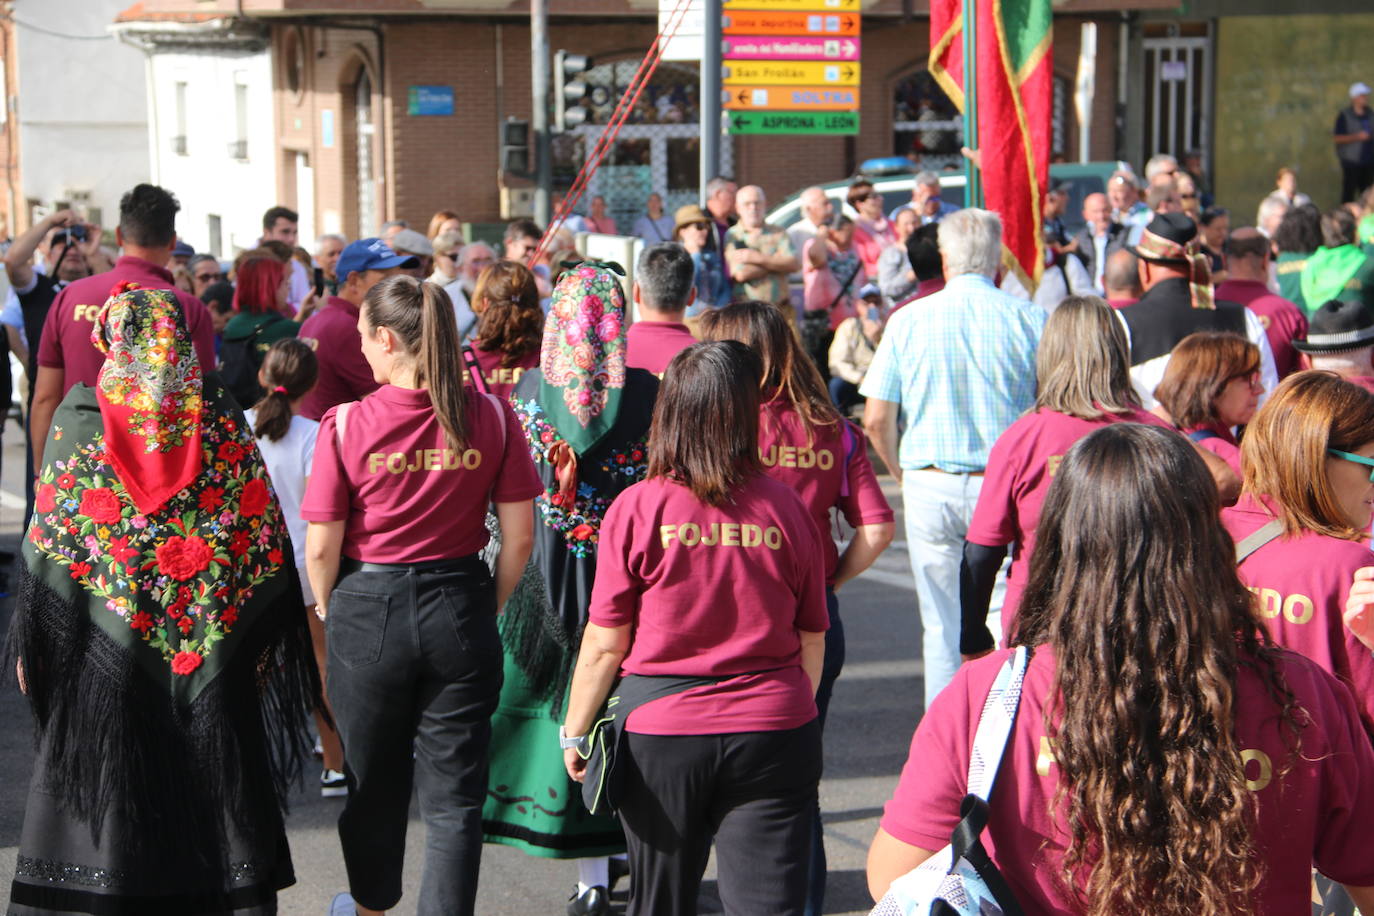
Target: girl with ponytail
(396,506)
(287,442)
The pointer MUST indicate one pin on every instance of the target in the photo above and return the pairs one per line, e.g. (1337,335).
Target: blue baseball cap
(370,254)
(182,250)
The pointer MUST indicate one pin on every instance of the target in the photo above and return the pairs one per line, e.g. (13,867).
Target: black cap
(1338,326)
(1163,241)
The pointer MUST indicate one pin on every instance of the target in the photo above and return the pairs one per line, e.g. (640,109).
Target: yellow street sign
(790,73)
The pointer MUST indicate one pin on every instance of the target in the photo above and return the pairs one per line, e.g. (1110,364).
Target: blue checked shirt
(961,363)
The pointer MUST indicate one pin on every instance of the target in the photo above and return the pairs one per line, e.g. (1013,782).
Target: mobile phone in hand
(319,281)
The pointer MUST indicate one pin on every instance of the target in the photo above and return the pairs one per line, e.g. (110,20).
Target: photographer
(70,250)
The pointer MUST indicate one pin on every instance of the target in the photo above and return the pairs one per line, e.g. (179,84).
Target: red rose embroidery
(141,621)
(80,570)
(185,624)
(212,498)
(66,481)
(582,532)
(120,551)
(231,451)
(182,558)
(184,663)
(100,505)
(274,557)
(46,501)
(253,501)
(240,544)
(229,616)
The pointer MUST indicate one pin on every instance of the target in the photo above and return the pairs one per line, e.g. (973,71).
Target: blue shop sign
(430,100)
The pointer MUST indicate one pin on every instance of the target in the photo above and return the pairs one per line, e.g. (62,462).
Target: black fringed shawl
(167,656)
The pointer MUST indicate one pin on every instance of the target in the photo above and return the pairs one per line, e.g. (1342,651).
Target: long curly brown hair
(1133,584)
(510,320)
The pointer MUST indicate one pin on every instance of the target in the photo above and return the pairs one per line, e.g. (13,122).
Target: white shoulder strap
(994,725)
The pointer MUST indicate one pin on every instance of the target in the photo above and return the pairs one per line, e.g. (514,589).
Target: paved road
(874,710)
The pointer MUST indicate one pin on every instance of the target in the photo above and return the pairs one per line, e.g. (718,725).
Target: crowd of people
(505,527)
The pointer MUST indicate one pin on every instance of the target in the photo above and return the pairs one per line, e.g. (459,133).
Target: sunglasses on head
(1358,459)
(860,198)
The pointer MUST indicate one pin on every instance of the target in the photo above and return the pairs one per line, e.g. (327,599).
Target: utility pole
(710,94)
(539,116)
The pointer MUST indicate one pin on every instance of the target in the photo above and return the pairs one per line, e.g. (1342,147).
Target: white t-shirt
(288,465)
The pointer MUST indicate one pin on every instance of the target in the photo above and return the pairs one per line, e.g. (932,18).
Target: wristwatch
(565,742)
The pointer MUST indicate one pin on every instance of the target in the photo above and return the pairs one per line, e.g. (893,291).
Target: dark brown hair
(289,365)
(420,314)
(510,320)
(859,188)
(1133,585)
(705,432)
(1201,366)
(1283,455)
(788,372)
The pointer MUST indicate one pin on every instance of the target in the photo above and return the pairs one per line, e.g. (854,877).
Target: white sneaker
(333,784)
(343,905)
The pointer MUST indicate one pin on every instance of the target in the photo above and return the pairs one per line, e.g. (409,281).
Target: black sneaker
(333,784)
(617,868)
(594,901)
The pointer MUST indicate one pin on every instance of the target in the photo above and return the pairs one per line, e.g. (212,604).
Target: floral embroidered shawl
(150,394)
(583,358)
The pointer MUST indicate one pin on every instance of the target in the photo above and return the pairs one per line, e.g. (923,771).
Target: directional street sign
(820,6)
(794,122)
(789,73)
(752,48)
(792,98)
(765,22)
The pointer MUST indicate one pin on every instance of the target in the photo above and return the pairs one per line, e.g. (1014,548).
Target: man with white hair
(1160,164)
(1271,212)
(930,207)
(328,247)
(760,254)
(472,260)
(816,211)
(1123,192)
(961,367)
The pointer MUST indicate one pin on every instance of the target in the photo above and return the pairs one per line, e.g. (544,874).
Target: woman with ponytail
(1166,757)
(396,506)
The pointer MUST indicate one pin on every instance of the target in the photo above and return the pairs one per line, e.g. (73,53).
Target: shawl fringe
(172,782)
(539,640)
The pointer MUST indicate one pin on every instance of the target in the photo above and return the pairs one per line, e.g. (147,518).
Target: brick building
(361,90)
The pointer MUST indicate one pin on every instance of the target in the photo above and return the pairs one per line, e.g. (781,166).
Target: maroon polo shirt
(651,345)
(1283,321)
(332,332)
(66,342)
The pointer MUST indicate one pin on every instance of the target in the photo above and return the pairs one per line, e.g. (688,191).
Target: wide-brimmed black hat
(1165,240)
(1338,326)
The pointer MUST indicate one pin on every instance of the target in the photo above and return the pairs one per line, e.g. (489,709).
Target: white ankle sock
(592,872)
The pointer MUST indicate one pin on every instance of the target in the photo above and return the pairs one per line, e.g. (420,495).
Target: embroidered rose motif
(66,481)
(100,505)
(46,500)
(181,558)
(583,531)
(184,663)
(255,497)
(80,570)
(211,498)
(141,621)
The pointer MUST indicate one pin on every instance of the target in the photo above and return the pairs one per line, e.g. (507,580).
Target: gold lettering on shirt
(504,376)
(1045,759)
(86,312)
(424,459)
(1294,608)
(720,534)
(1052,464)
(311,342)
(792,456)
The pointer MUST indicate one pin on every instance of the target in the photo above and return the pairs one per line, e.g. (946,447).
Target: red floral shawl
(150,394)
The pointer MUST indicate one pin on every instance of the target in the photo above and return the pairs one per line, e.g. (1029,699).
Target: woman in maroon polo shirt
(709,569)
(806,444)
(1307,457)
(1165,757)
(1211,385)
(397,503)
(510,328)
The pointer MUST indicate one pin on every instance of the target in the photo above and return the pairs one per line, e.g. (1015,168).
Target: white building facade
(210,137)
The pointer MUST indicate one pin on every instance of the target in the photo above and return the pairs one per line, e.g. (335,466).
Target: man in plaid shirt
(960,367)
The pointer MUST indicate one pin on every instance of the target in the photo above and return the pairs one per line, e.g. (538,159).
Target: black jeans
(1354,179)
(754,793)
(414,667)
(830,673)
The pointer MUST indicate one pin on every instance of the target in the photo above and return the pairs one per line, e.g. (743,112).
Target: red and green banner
(1012,112)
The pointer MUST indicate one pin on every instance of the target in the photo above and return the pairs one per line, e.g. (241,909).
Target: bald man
(1098,238)
(760,254)
(816,209)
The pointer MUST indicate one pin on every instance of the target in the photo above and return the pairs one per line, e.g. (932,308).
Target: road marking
(10,501)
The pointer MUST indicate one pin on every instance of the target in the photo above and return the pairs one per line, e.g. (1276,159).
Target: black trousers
(414,666)
(1354,179)
(754,793)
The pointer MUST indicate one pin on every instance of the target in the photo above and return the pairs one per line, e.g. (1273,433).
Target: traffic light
(568,90)
(515,147)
